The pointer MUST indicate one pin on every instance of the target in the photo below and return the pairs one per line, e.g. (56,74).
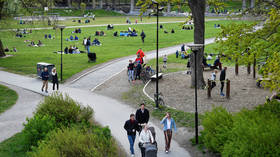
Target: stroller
(151,149)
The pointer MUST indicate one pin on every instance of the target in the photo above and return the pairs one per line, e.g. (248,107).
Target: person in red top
(139,59)
(141,53)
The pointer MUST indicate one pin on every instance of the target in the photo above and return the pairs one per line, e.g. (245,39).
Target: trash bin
(41,66)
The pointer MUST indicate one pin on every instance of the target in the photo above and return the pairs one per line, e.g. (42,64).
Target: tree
(93,4)
(101,4)
(198,9)
(131,6)
(2,53)
(69,2)
(243,4)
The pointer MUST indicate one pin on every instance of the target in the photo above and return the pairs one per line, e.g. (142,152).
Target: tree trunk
(254,67)
(114,4)
(198,10)
(236,67)
(249,68)
(93,4)
(101,4)
(168,7)
(252,4)
(131,6)
(1,8)
(69,3)
(2,52)
(243,4)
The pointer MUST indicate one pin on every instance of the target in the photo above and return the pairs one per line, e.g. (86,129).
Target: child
(213,78)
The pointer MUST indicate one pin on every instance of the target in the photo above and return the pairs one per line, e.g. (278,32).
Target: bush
(217,124)
(247,133)
(36,129)
(77,142)
(65,110)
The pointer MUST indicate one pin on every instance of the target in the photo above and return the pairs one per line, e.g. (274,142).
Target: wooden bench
(154,77)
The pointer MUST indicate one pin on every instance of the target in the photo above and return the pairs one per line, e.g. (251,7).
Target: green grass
(8,98)
(13,147)
(24,61)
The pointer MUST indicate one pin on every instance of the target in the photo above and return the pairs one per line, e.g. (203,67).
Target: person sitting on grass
(6,49)
(79,30)
(96,42)
(70,49)
(39,43)
(102,33)
(116,34)
(50,36)
(32,43)
(66,50)
(46,36)
(71,38)
(14,49)
(217,63)
(76,50)
(172,31)
(76,38)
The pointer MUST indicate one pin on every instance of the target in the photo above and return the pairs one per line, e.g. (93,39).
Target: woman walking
(168,124)
(145,138)
(54,78)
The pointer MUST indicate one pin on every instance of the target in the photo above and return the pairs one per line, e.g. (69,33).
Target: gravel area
(177,92)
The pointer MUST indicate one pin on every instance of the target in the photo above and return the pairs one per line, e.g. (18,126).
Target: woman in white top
(145,138)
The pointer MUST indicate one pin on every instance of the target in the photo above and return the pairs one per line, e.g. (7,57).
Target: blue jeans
(88,49)
(130,75)
(131,139)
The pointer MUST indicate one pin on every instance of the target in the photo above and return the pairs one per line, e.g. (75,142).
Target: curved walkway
(11,121)
(108,112)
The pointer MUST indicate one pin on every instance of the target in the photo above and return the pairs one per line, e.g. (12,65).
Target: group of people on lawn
(138,122)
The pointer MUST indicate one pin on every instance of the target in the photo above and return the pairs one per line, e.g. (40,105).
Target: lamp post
(61,30)
(195,48)
(158,9)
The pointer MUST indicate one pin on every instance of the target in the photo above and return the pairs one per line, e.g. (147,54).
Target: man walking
(45,78)
(142,115)
(88,45)
(131,126)
(130,71)
(222,79)
(143,35)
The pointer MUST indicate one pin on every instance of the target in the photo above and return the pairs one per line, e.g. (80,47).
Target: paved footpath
(108,112)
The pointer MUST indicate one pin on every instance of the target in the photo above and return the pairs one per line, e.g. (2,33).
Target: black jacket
(54,78)
(131,127)
(223,75)
(142,117)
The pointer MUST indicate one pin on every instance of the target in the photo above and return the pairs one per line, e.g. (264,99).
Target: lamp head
(61,27)
(195,47)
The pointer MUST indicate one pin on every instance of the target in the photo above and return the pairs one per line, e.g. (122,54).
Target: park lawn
(24,61)
(103,20)
(8,97)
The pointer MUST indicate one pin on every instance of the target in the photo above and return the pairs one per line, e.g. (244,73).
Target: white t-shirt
(168,123)
(85,41)
(213,76)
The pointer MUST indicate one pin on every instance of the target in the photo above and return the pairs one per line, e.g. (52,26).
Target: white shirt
(168,123)
(209,57)
(146,137)
(85,41)
(213,76)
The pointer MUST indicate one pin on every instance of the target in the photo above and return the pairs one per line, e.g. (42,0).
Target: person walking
(222,79)
(85,43)
(88,45)
(45,78)
(213,78)
(138,70)
(168,124)
(143,35)
(131,126)
(54,78)
(145,138)
(142,115)
(165,61)
(130,71)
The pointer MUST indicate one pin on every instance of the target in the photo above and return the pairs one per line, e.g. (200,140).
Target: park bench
(154,77)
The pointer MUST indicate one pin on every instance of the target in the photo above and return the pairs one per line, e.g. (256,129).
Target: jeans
(131,139)
(130,75)
(88,49)
(222,86)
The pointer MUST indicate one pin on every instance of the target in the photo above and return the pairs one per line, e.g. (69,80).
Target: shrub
(65,110)
(217,124)
(253,134)
(78,142)
(36,129)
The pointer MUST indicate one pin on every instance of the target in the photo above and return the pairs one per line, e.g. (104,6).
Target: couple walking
(147,135)
(45,77)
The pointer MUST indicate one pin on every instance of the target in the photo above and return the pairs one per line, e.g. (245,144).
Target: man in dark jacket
(142,115)
(222,79)
(131,126)
(45,78)
(143,35)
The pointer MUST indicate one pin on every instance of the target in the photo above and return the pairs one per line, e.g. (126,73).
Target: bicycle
(160,99)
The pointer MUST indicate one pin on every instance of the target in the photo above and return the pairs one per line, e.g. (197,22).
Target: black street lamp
(158,9)
(61,30)
(195,48)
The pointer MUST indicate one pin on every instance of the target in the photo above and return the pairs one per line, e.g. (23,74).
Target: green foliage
(8,98)
(247,133)
(37,128)
(83,7)
(14,146)
(65,110)
(217,124)
(78,142)
(271,70)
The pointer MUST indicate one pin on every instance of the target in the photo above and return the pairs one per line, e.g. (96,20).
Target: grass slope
(24,61)
(8,98)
